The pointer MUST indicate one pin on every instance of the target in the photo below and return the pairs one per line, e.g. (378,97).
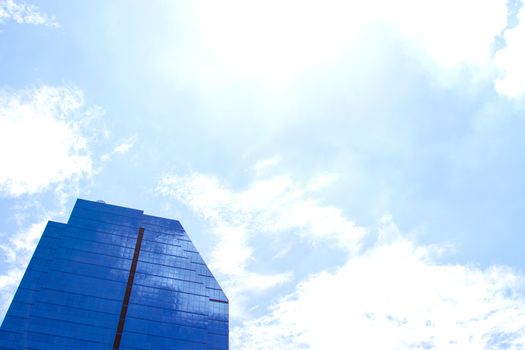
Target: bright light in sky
(275,40)
(341,165)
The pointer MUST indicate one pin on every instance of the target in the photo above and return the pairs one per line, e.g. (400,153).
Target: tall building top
(114,277)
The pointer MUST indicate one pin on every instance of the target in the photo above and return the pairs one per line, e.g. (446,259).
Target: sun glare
(275,40)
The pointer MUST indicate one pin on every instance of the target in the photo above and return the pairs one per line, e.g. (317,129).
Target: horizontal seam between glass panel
(170,338)
(33,317)
(84,275)
(168,323)
(66,337)
(80,294)
(77,307)
(170,308)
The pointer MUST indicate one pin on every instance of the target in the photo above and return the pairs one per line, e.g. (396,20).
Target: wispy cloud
(510,60)
(391,293)
(120,149)
(467,38)
(24,13)
(43,147)
(41,139)
(16,251)
(395,296)
(268,207)
(267,163)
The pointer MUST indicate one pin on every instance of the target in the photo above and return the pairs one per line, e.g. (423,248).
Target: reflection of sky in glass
(78,299)
(294,140)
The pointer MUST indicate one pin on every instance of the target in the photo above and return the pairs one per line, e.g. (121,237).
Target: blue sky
(351,172)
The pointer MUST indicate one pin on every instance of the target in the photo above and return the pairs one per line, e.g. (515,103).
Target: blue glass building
(115,278)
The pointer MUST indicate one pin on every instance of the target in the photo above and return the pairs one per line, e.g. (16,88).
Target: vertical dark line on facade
(125,302)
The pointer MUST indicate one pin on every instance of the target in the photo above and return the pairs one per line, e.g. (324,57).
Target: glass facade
(115,278)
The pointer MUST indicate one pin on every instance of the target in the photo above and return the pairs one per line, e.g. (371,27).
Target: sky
(351,171)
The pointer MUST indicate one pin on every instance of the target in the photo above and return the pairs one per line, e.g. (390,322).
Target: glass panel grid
(73,290)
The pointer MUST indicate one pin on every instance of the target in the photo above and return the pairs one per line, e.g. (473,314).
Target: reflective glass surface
(73,294)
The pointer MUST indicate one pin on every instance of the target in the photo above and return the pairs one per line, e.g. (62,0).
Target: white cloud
(510,61)
(8,283)
(267,207)
(273,42)
(17,251)
(124,147)
(394,296)
(120,149)
(21,12)
(41,142)
(262,165)
(451,32)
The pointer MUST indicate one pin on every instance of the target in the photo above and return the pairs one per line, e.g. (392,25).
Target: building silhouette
(115,278)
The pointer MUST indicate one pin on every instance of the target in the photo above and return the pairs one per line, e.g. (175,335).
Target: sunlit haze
(352,172)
